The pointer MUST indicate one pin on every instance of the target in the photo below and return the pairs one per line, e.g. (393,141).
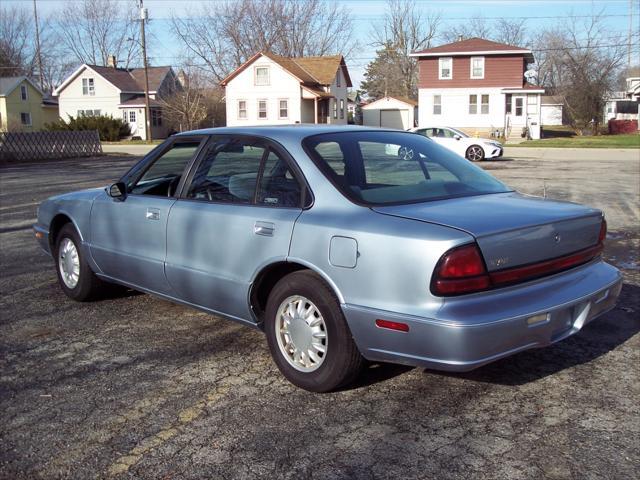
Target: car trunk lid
(511,229)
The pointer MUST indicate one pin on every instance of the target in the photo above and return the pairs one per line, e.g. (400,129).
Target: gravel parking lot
(133,386)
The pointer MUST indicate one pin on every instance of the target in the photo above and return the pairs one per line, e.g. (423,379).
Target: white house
(390,112)
(118,92)
(478,86)
(269,90)
(551,108)
(623,105)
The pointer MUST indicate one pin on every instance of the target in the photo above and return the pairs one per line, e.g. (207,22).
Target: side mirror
(117,190)
(457,137)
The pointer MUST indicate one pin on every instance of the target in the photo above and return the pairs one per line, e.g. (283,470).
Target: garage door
(395,118)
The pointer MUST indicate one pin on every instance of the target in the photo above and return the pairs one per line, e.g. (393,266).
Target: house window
(532,104)
(473,104)
(23,93)
(25,119)
(519,104)
(341,108)
(262,109)
(88,113)
(283,110)
(335,108)
(262,76)
(156,117)
(477,67)
(437,104)
(242,109)
(338,79)
(508,98)
(132,116)
(446,68)
(88,87)
(484,106)
(124,115)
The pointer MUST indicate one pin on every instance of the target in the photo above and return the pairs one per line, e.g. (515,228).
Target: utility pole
(143,18)
(630,31)
(35,16)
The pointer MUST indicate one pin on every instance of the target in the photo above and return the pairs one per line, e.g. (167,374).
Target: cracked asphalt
(135,387)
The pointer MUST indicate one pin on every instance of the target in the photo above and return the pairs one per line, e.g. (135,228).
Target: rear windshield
(382,168)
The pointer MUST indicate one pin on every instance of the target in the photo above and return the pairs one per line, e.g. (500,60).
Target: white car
(474,149)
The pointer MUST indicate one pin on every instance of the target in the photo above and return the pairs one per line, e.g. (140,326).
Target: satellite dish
(529,74)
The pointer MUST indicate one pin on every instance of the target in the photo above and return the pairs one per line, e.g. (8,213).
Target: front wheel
(475,153)
(75,276)
(308,337)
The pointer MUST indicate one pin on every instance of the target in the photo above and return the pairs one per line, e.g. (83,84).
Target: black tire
(89,285)
(343,361)
(472,153)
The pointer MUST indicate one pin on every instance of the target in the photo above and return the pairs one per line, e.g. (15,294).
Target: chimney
(460,38)
(112,62)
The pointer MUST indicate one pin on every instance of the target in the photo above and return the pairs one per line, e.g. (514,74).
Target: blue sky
(164,50)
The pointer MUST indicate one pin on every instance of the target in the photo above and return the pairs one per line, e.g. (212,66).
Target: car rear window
(383,168)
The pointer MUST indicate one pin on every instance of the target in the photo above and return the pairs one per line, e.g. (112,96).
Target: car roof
(285,132)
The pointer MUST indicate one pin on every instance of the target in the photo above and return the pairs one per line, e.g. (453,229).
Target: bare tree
(223,35)
(193,102)
(476,27)
(404,30)
(91,30)
(581,60)
(503,30)
(17,53)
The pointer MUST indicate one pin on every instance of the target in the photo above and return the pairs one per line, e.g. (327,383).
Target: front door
(235,215)
(518,110)
(128,237)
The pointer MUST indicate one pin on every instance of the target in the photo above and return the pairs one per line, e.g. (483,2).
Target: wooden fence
(20,146)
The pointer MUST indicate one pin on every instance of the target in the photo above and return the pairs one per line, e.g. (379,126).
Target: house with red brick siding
(478,86)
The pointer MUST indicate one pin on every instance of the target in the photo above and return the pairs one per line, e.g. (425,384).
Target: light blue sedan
(338,250)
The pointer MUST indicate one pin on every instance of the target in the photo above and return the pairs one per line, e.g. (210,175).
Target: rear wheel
(308,336)
(75,277)
(475,153)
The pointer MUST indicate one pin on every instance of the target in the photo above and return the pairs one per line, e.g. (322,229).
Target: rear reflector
(400,327)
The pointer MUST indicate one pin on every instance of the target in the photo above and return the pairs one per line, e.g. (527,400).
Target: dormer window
(262,76)
(477,67)
(445,68)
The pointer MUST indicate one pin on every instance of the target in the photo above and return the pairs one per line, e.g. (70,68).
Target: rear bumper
(470,331)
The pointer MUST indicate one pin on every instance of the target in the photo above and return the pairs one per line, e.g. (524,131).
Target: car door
(128,235)
(235,214)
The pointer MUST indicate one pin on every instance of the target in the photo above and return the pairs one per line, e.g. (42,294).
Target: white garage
(551,110)
(390,112)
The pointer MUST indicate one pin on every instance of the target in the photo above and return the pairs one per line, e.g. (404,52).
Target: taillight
(603,232)
(460,270)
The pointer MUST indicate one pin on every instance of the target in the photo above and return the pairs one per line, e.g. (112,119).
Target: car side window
(164,174)
(227,173)
(278,186)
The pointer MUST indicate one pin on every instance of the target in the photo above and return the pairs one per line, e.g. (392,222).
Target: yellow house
(23,107)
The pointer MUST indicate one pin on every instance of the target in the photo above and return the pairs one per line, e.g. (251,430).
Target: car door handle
(153,214)
(264,228)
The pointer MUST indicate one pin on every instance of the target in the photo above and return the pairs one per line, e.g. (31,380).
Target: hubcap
(475,153)
(69,263)
(301,333)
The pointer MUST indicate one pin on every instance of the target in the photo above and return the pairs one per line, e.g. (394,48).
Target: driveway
(135,387)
